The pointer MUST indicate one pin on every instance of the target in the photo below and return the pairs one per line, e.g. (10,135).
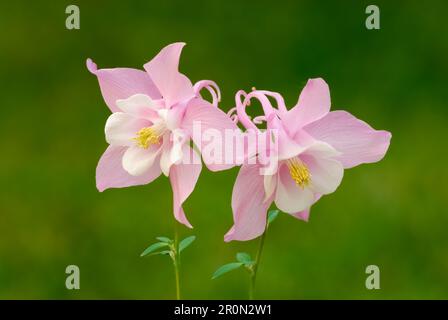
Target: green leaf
(164,239)
(154,247)
(226,268)
(164,252)
(186,242)
(272,215)
(244,257)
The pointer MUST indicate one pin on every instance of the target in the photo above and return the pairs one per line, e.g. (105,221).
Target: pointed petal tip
(303,215)
(387,134)
(317,84)
(100,187)
(91,66)
(229,235)
(167,48)
(316,80)
(185,222)
(386,138)
(179,43)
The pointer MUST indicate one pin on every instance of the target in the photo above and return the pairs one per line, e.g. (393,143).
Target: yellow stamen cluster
(146,137)
(299,172)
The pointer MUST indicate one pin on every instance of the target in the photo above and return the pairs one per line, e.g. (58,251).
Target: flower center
(149,135)
(299,172)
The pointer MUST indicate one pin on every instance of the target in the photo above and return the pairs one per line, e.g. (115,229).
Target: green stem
(176,260)
(253,277)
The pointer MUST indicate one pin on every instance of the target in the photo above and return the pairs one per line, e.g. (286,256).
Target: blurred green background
(392,214)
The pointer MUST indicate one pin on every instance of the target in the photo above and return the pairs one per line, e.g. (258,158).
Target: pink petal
(121,83)
(356,140)
(183,179)
(163,70)
(172,116)
(173,150)
(110,173)
(305,214)
(121,128)
(314,103)
(165,163)
(326,174)
(270,184)
(136,160)
(320,149)
(290,197)
(287,147)
(139,105)
(302,215)
(248,205)
(202,119)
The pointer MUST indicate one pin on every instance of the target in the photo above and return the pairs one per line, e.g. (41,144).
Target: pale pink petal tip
(91,66)
(303,215)
(188,224)
(181,218)
(229,235)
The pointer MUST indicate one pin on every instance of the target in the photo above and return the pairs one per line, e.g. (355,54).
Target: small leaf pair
(167,242)
(155,246)
(243,259)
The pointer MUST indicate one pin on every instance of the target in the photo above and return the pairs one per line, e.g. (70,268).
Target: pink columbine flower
(149,131)
(314,147)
